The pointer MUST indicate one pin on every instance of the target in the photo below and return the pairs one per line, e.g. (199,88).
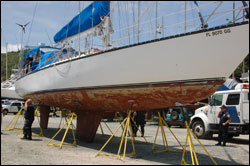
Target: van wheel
(199,129)
(174,115)
(5,112)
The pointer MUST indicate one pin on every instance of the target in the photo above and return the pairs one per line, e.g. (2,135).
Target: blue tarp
(34,51)
(95,9)
(47,58)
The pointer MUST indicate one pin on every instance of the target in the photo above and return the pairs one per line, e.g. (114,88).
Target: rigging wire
(31,24)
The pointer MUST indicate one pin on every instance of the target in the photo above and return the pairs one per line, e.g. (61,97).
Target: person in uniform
(29,118)
(2,115)
(140,121)
(223,125)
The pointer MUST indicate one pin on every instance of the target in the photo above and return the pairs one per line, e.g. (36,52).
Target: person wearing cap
(29,118)
(223,125)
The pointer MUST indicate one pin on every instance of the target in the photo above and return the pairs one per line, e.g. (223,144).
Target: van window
(233,99)
(217,100)
(16,104)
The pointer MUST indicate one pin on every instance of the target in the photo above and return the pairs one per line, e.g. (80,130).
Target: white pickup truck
(205,122)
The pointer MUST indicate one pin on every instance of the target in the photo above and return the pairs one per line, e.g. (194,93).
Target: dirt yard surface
(15,151)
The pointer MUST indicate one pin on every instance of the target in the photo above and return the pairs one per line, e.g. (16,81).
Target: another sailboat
(8,88)
(184,68)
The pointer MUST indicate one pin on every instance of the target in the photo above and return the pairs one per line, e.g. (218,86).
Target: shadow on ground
(143,150)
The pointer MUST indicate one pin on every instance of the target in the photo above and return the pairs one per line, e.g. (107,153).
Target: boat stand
(127,129)
(35,135)
(192,150)
(166,148)
(107,127)
(66,116)
(13,122)
(69,123)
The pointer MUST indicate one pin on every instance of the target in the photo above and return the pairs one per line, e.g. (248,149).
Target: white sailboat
(8,88)
(157,74)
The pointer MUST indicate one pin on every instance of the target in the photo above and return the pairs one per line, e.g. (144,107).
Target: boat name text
(218,32)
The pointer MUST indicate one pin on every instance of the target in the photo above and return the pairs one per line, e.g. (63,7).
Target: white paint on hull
(195,56)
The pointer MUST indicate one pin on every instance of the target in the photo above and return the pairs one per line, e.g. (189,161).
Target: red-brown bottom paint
(92,104)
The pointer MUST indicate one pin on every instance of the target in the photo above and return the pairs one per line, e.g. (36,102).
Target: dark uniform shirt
(29,113)
(224,117)
(140,117)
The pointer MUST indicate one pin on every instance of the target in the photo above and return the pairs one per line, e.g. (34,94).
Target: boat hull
(158,74)
(196,56)
(149,97)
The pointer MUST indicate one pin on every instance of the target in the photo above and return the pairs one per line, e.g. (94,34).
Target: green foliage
(13,61)
(239,69)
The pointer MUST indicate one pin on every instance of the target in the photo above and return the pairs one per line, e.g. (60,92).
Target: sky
(46,18)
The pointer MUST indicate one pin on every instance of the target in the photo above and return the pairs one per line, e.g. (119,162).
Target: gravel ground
(15,151)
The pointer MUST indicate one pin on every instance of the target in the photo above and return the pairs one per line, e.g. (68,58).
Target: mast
(138,32)
(156,14)
(233,12)
(6,61)
(185,17)
(133,22)
(162,26)
(21,53)
(79,52)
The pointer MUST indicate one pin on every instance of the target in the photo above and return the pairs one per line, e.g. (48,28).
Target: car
(12,106)
(176,116)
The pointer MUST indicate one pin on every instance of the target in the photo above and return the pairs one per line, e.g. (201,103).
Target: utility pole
(6,61)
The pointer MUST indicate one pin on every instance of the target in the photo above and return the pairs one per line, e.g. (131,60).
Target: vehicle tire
(5,112)
(174,115)
(199,129)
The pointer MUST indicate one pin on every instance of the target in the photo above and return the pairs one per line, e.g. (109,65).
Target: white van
(205,122)
(12,106)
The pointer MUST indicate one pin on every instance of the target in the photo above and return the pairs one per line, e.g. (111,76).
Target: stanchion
(13,122)
(166,148)
(68,123)
(192,149)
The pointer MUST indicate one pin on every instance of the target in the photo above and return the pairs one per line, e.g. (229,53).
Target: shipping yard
(125,83)
(15,151)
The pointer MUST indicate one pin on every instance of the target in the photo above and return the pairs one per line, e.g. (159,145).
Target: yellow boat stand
(106,126)
(35,135)
(192,150)
(66,115)
(13,122)
(127,129)
(166,148)
(68,123)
